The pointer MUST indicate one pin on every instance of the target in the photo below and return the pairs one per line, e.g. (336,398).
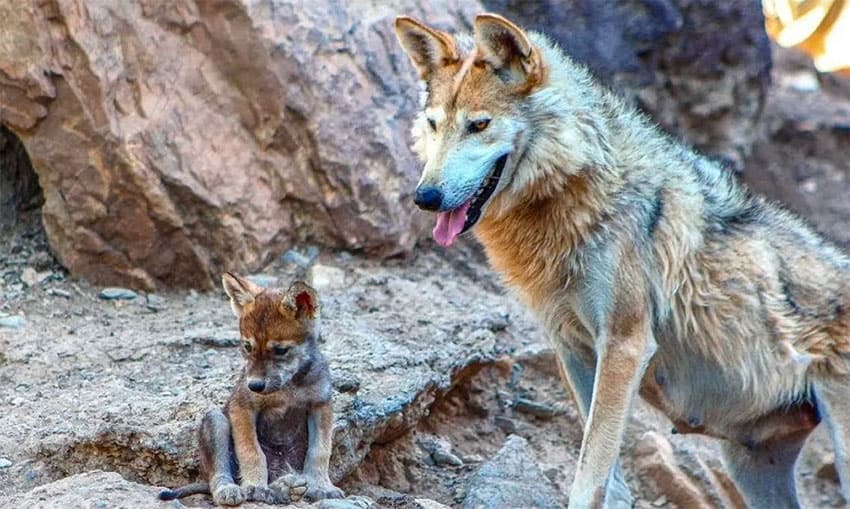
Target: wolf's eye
(247,346)
(478,125)
(280,351)
(432,124)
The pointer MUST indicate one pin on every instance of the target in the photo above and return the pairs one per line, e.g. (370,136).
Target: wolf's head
(279,330)
(491,115)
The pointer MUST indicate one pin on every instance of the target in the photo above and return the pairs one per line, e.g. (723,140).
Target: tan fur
(642,259)
(289,414)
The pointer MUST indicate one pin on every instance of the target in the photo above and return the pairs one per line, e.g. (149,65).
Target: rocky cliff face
(176,140)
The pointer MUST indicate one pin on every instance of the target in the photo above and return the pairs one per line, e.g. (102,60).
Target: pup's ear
(304,300)
(428,48)
(240,290)
(508,50)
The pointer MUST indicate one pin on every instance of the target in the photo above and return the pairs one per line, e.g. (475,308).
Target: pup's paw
(321,488)
(290,487)
(228,494)
(262,494)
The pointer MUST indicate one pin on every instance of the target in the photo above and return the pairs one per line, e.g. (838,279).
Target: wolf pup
(650,268)
(274,434)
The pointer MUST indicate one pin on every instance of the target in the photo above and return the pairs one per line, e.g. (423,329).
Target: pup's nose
(428,198)
(257,385)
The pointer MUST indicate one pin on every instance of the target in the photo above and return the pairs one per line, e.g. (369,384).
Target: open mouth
(455,222)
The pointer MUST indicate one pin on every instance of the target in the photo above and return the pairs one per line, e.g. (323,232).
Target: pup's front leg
(253,471)
(622,359)
(320,433)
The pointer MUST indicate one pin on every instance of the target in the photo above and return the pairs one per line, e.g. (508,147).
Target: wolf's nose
(428,198)
(257,385)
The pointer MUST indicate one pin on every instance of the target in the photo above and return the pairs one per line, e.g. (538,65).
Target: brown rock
(176,140)
(684,481)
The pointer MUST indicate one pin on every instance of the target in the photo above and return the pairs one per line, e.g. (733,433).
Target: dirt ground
(427,349)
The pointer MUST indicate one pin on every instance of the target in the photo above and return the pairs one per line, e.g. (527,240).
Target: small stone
(294,257)
(33,278)
(353,502)
(803,81)
(117,293)
(827,470)
(440,450)
(40,261)
(506,424)
(325,277)
(346,383)
(12,322)
(263,280)
(154,302)
(660,501)
(427,503)
(5,463)
(541,410)
(57,292)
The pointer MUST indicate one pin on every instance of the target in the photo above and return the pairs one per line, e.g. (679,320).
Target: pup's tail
(184,491)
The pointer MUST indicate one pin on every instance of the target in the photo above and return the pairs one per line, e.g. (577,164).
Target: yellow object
(821,28)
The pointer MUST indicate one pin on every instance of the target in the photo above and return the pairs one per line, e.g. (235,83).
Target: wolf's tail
(184,491)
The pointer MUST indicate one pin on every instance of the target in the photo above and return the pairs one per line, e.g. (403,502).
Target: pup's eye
(432,124)
(280,350)
(246,345)
(478,125)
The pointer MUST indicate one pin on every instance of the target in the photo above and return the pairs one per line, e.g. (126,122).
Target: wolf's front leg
(215,452)
(623,355)
(253,471)
(578,373)
(316,464)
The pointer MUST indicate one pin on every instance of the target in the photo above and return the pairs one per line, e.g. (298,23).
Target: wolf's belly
(752,399)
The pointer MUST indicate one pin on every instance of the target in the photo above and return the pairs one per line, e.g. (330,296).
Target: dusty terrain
(435,366)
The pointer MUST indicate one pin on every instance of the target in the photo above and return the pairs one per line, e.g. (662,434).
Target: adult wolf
(651,269)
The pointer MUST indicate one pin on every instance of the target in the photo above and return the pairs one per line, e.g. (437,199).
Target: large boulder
(700,69)
(175,140)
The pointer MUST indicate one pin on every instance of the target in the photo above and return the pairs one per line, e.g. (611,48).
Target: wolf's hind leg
(217,460)
(764,474)
(833,396)
(579,375)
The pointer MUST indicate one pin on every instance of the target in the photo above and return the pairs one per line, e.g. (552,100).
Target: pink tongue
(449,224)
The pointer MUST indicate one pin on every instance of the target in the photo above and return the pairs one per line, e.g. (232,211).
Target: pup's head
(475,125)
(279,330)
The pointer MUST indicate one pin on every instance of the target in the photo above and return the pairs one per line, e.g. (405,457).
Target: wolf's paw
(228,494)
(321,488)
(262,494)
(290,487)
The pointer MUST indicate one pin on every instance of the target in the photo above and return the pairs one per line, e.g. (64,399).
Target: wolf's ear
(428,48)
(508,50)
(240,290)
(304,300)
